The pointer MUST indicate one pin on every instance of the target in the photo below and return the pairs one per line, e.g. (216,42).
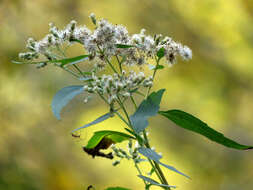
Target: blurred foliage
(38,152)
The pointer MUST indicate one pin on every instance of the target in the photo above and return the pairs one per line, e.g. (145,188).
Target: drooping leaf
(96,121)
(124,46)
(147,152)
(188,121)
(115,136)
(72,60)
(117,188)
(153,182)
(149,107)
(160,54)
(63,97)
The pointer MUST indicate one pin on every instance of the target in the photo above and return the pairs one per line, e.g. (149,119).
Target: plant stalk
(154,165)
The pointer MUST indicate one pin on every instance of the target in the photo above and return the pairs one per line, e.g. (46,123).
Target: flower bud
(93,18)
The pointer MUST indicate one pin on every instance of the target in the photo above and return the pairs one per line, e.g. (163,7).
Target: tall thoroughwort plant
(111,46)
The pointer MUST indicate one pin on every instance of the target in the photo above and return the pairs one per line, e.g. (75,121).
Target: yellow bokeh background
(37,152)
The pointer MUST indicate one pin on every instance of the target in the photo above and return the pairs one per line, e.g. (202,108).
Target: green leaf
(124,46)
(75,40)
(153,182)
(149,107)
(160,54)
(63,97)
(115,136)
(87,73)
(188,121)
(96,121)
(117,188)
(147,152)
(32,62)
(152,67)
(72,60)
(159,67)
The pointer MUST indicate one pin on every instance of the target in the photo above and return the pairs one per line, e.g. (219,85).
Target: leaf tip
(16,62)
(57,115)
(249,148)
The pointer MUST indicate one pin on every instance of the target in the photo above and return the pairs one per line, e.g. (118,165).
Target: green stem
(153,76)
(132,99)
(157,166)
(124,110)
(59,50)
(78,69)
(155,169)
(118,114)
(68,70)
(122,118)
(101,52)
(120,66)
(101,96)
(154,165)
(139,171)
(111,65)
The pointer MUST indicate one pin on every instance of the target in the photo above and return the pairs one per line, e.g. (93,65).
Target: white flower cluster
(101,44)
(131,153)
(105,41)
(54,39)
(105,37)
(116,85)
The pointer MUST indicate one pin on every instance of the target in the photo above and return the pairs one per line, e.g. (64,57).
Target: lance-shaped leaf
(149,107)
(72,60)
(124,46)
(188,121)
(150,154)
(117,188)
(96,121)
(114,136)
(63,97)
(147,152)
(153,182)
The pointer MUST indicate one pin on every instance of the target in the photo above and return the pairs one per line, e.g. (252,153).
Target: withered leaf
(105,143)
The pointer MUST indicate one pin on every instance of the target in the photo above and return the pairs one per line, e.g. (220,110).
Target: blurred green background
(38,152)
